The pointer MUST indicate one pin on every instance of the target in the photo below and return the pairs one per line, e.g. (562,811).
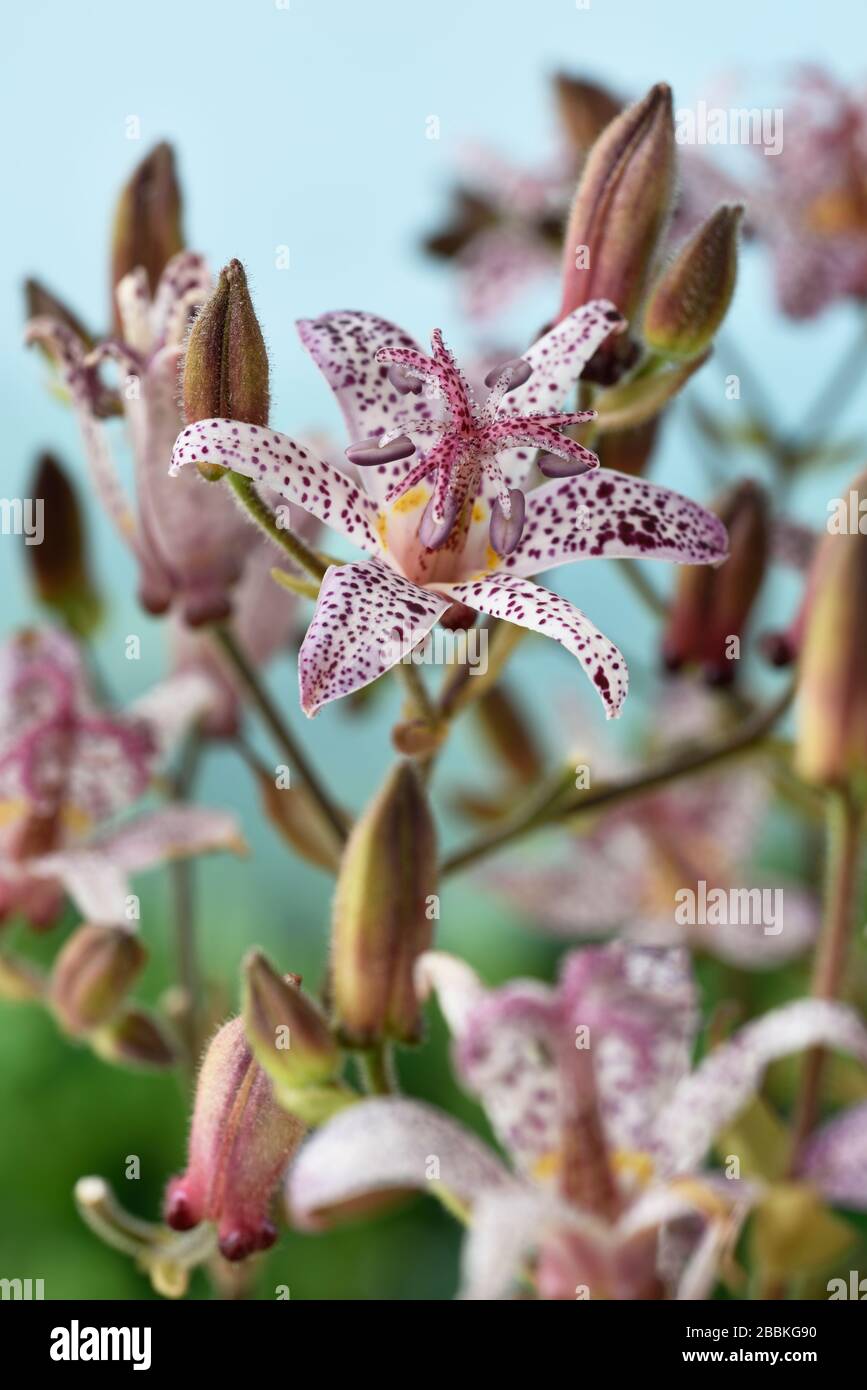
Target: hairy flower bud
(226,365)
(691,298)
(618,216)
(135,1038)
(288,1032)
(712,606)
(240,1143)
(147,222)
(831,743)
(58,564)
(93,974)
(383,913)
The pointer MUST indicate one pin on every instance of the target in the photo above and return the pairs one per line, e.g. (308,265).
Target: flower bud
(297,818)
(691,298)
(135,1038)
(585,109)
(58,564)
(20,981)
(93,974)
(240,1143)
(381,924)
(147,222)
(831,742)
(288,1032)
(509,734)
(630,450)
(41,303)
(712,606)
(226,366)
(618,216)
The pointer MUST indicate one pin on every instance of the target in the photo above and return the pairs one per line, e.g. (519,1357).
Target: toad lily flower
(370,612)
(67,767)
(588,1089)
(190,544)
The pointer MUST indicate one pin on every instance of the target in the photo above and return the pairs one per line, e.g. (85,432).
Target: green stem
(245,491)
(182,873)
(642,586)
(282,733)
(558,801)
(378,1070)
(843,850)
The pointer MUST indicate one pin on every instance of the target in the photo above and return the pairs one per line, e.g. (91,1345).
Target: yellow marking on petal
(416,497)
(702,1197)
(841,211)
(76,820)
(635,1164)
(492,559)
(478,512)
(546,1167)
(11,811)
(381,528)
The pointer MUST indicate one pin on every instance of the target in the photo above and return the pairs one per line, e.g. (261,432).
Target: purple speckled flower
(589,1089)
(369,611)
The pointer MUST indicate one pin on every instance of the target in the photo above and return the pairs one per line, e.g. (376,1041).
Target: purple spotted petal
(835,1159)
(383,1146)
(367,617)
(289,468)
(613,515)
(528,605)
(559,357)
(723,1084)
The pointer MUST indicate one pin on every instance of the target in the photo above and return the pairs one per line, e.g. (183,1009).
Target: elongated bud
(297,818)
(712,606)
(58,558)
(384,908)
(41,303)
(147,222)
(509,734)
(618,216)
(629,451)
(690,300)
(226,363)
(286,1029)
(831,742)
(93,974)
(135,1038)
(585,109)
(240,1143)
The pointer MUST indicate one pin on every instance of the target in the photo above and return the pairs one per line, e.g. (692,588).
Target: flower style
(190,544)
(407,586)
(67,767)
(589,1090)
(812,205)
(659,846)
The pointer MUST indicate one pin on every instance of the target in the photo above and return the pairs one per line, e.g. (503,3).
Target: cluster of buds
(88,994)
(614,246)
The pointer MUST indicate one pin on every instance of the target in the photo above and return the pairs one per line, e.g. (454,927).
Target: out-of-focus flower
(633,873)
(831,743)
(59,564)
(811,204)
(190,545)
(711,608)
(67,767)
(240,1143)
(371,613)
(589,1089)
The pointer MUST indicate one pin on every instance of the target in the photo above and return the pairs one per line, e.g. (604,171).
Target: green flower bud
(136,1038)
(92,975)
(286,1029)
(691,298)
(384,913)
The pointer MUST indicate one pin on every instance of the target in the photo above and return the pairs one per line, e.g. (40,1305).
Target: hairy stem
(245,491)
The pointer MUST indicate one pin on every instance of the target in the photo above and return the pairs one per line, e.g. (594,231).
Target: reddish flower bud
(93,974)
(831,743)
(585,109)
(623,201)
(383,917)
(58,565)
(712,606)
(147,222)
(240,1143)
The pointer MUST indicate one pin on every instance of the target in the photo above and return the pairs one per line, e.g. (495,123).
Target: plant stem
(281,731)
(182,874)
(843,851)
(558,800)
(245,491)
(377,1070)
(832,396)
(642,586)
